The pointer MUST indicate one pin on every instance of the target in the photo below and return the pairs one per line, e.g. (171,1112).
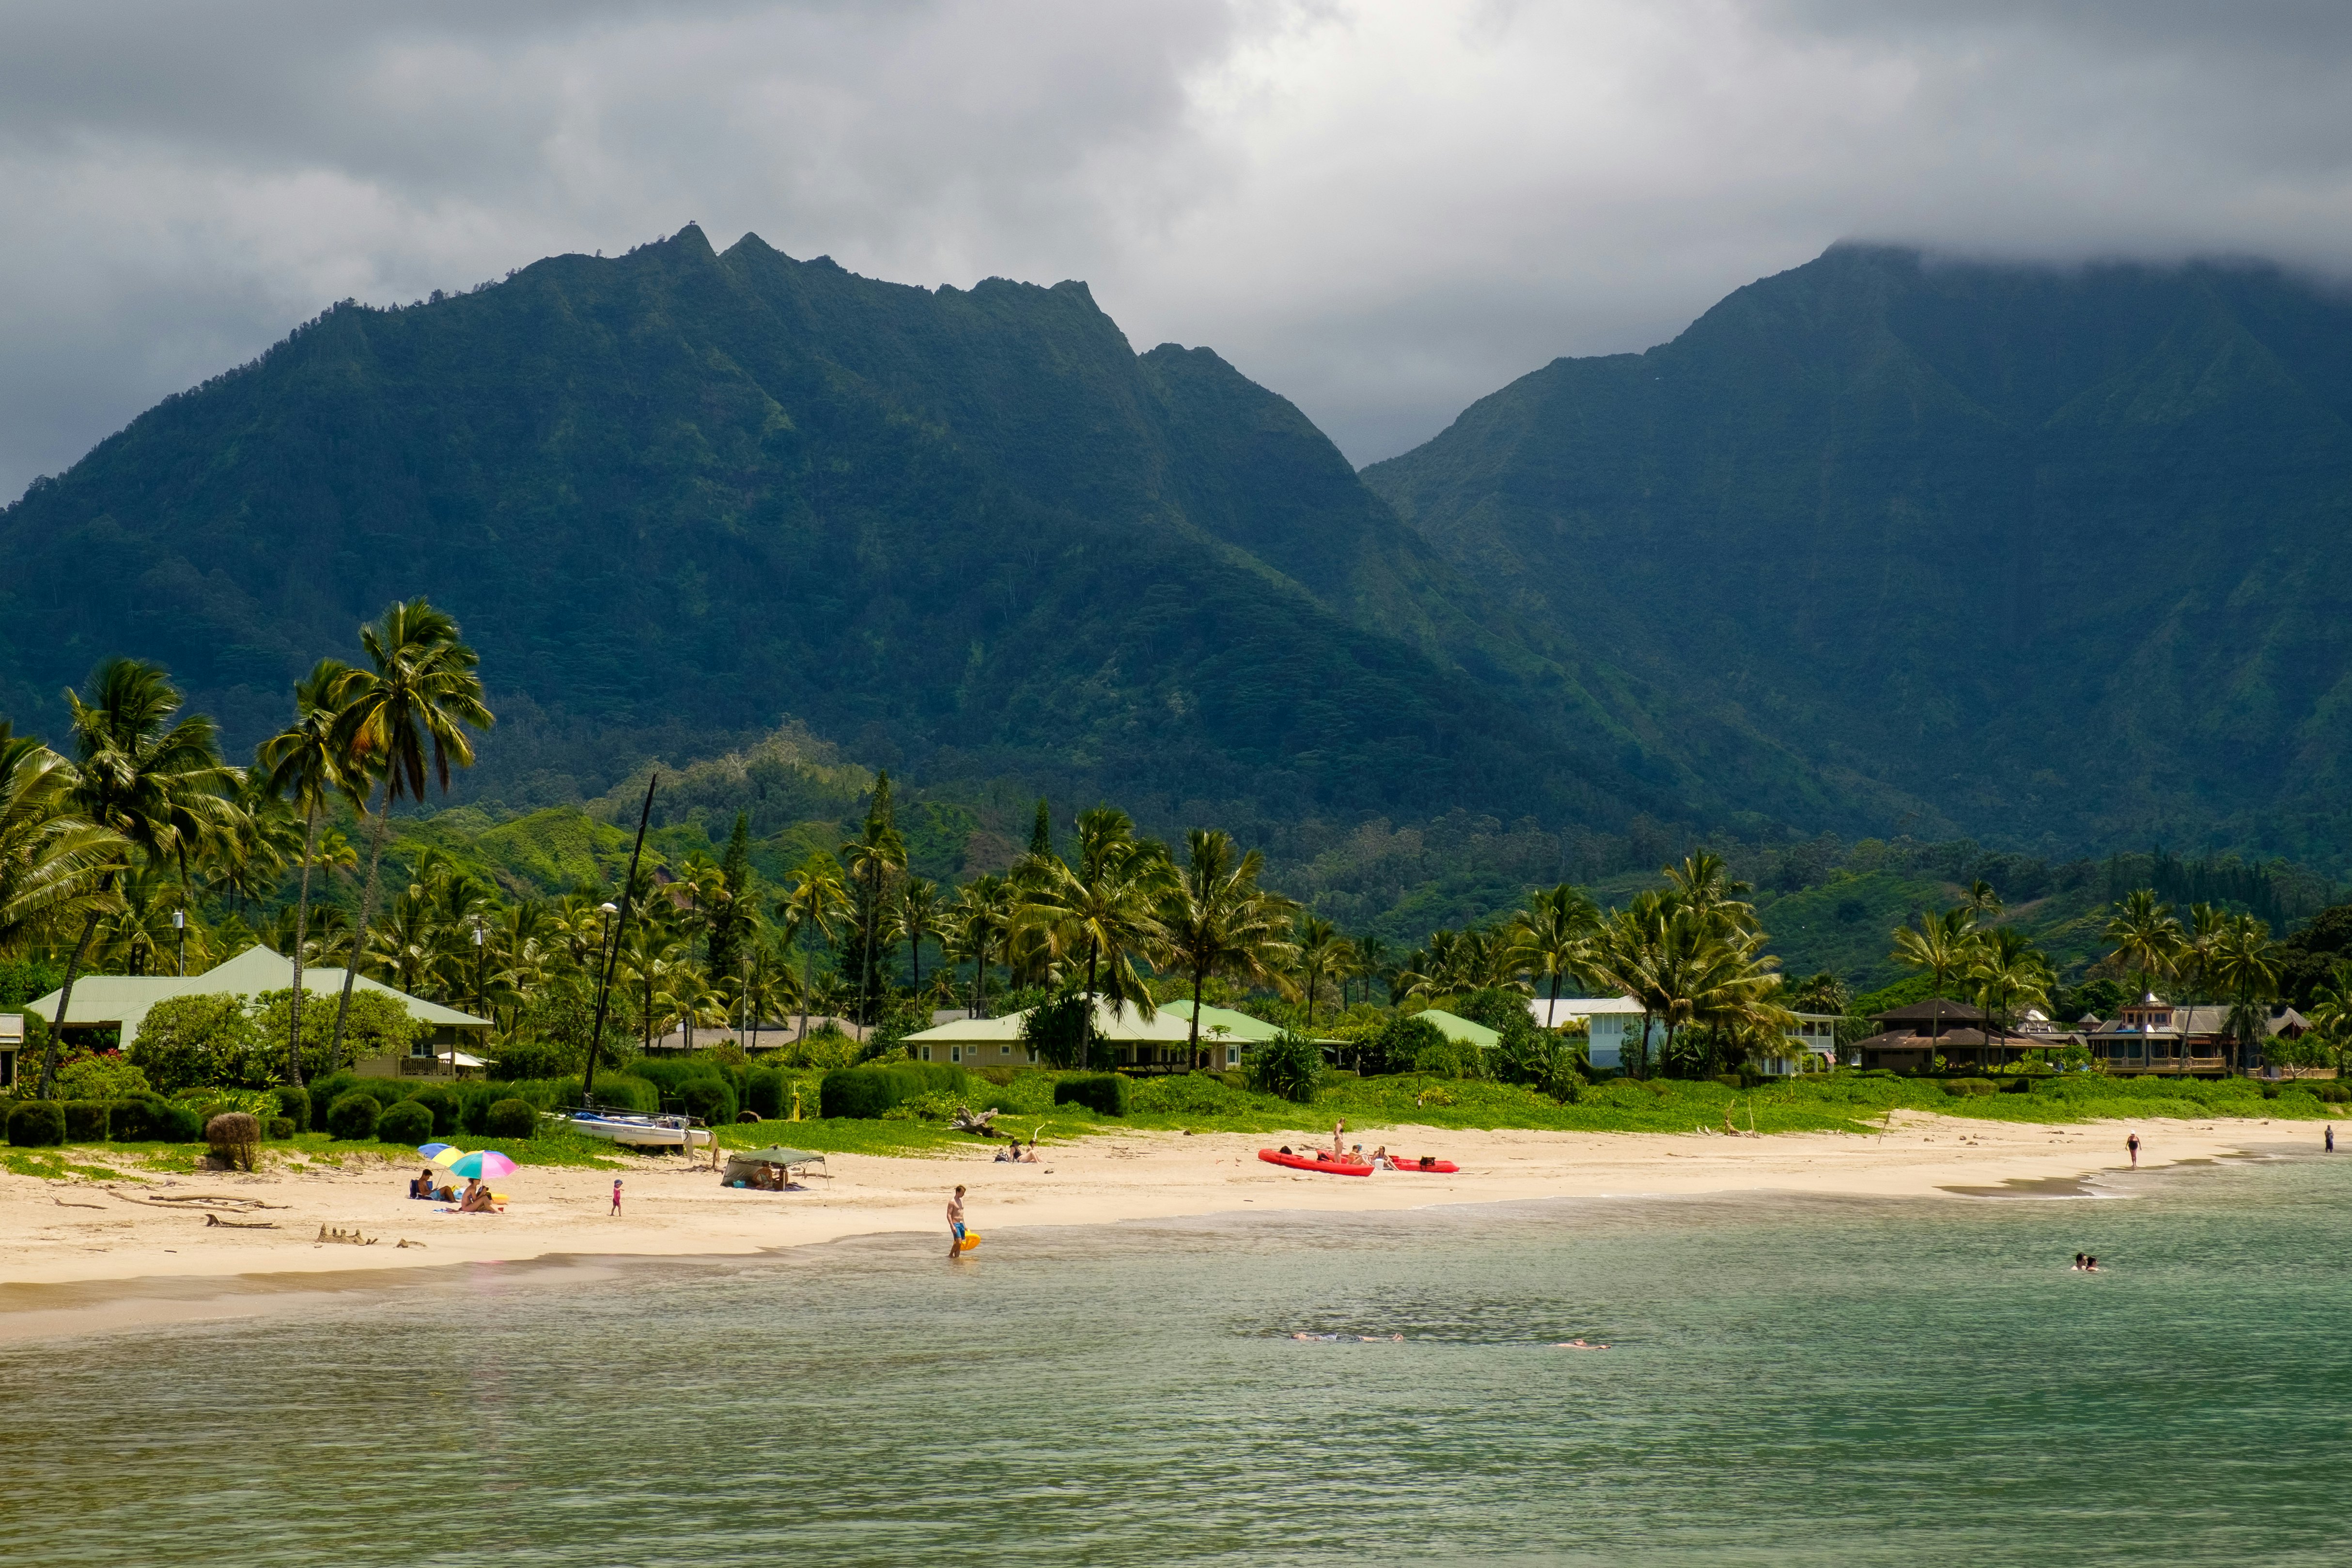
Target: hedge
(865,1092)
(150,1118)
(294,1106)
(713,1099)
(1107,1093)
(511,1118)
(766,1094)
(37,1124)
(86,1120)
(442,1103)
(353,1115)
(1961,1088)
(409,1121)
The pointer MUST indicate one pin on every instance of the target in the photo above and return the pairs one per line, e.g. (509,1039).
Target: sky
(1383,211)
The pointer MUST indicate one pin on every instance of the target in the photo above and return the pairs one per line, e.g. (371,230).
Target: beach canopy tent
(775,1155)
(1460,1031)
(122,1001)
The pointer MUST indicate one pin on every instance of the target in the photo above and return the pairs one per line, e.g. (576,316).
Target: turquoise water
(1791,1381)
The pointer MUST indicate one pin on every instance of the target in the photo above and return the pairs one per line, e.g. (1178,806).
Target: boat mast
(612,959)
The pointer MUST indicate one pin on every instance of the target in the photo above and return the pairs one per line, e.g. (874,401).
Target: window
(1232,1056)
(955,1053)
(926,1053)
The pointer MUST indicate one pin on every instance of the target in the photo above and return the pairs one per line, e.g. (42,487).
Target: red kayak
(1309,1163)
(1442,1167)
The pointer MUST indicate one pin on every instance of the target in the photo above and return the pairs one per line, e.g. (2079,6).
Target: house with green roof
(121,1003)
(1458,1030)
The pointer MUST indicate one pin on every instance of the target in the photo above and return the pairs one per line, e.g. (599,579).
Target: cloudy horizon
(1381,212)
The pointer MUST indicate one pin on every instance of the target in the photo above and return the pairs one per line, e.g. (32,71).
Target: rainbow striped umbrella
(431,1150)
(484,1165)
(448,1155)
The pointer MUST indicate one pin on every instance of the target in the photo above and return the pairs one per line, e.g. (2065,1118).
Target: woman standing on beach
(2132,1146)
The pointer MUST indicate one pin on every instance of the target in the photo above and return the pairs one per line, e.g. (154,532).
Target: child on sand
(616,1197)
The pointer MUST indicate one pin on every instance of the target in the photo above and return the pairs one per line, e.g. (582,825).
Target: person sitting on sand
(1356,1154)
(1003,1155)
(478,1199)
(423,1186)
(1032,1157)
(1381,1161)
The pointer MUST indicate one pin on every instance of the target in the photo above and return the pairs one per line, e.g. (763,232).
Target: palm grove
(142,848)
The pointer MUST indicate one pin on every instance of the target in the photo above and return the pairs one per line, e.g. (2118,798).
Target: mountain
(2054,558)
(676,496)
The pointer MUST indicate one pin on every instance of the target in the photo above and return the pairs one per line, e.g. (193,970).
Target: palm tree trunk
(65,999)
(804,986)
(1200,977)
(301,926)
(1087,1034)
(358,937)
(915,944)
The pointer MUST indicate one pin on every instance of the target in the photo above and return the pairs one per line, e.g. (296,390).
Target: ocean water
(1790,1380)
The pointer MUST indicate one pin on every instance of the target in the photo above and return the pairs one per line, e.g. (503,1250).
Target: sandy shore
(78,1253)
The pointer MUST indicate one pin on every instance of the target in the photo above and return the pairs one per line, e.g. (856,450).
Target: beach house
(1611,1021)
(11,1043)
(114,1005)
(1161,1043)
(2152,1036)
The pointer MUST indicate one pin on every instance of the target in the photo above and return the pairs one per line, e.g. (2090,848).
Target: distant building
(2154,1036)
(1910,1038)
(1611,1021)
(12,1042)
(119,1004)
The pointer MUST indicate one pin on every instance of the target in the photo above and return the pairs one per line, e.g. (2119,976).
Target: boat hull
(642,1135)
(1308,1163)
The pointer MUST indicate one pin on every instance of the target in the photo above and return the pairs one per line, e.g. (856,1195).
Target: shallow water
(1792,1381)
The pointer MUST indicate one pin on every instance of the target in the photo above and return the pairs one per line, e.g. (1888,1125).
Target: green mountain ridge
(2050,558)
(676,496)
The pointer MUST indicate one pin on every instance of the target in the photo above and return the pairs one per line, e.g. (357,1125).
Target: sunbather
(421,1185)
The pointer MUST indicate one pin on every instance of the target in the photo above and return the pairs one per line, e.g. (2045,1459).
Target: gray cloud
(1383,211)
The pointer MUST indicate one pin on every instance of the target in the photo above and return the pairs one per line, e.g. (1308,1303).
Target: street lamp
(179,924)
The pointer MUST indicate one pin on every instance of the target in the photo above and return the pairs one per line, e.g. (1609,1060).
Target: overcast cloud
(1383,211)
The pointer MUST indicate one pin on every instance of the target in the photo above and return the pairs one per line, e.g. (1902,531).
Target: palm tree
(1943,946)
(149,776)
(2145,935)
(1983,900)
(875,855)
(1704,886)
(691,998)
(914,920)
(1555,933)
(1104,906)
(2009,973)
(816,903)
(52,861)
(1372,956)
(1317,942)
(1218,921)
(303,764)
(984,911)
(413,705)
(2247,964)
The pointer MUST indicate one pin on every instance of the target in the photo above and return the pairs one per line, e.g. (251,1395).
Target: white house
(1612,1021)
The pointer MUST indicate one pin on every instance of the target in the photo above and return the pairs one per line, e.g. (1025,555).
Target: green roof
(1460,1031)
(1121,1025)
(123,999)
(1223,1023)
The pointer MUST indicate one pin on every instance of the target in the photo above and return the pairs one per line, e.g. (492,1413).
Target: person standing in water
(955,1223)
(2132,1146)
(2331,1137)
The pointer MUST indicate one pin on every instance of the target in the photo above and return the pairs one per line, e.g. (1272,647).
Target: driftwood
(61,1203)
(349,1238)
(965,1122)
(211,1198)
(405,1241)
(241,1224)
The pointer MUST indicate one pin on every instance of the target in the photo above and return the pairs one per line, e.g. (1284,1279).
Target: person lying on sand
(1012,1154)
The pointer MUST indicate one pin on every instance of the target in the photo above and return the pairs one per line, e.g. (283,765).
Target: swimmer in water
(2078,1262)
(1579,1345)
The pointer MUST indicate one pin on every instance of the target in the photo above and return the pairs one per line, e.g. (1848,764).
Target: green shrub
(294,1106)
(1964,1088)
(1189,1095)
(1400,1044)
(99,1075)
(511,1118)
(352,1117)
(190,1041)
(409,1121)
(1057,1029)
(445,1106)
(710,1099)
(1449,1059)
(37,1124)
(150,1118)
(281,1128)
(865,1092)
(2332,1093)
(767,1093)
(86,1120)
(1105,1094)
(1289,1065)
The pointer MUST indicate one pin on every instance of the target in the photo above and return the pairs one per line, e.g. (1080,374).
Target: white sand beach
(134,1241)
